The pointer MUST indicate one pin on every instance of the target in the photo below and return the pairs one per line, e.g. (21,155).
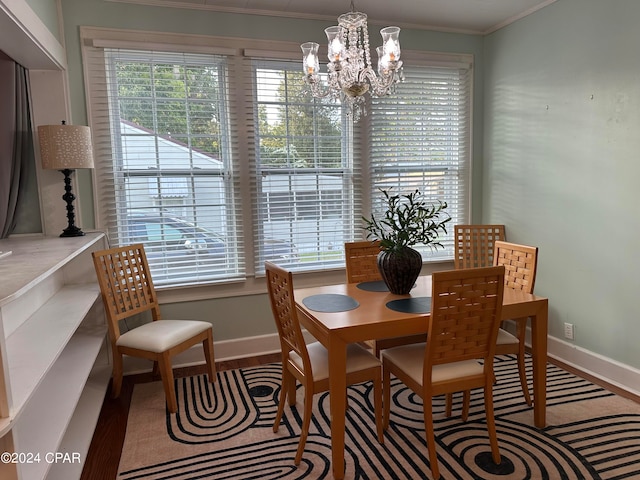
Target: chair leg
(292,390)
(116,381)
(466,400)
(430,436)
(491,422)
(386,397)
(207,346)
(448,404)
(284,388)
(166,372)
(377,402)
(376,349)
(306,421)
(521,325)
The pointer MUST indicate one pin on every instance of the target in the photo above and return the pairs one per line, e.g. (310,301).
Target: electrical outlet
(568,331)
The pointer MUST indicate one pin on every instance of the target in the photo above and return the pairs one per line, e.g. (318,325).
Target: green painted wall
(561,166)
(47,11)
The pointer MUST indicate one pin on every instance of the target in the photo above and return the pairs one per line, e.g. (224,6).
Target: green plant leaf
(408,220)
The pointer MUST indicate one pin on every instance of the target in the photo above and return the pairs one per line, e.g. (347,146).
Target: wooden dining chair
(521,263)
(127,289)
(361,260)
(309,364)
(361,264)
(474,244)
(465,316)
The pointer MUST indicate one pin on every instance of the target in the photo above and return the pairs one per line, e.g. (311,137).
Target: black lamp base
(71,230)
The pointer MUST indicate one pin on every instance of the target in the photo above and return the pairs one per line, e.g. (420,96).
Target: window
(420,139)
(303,167)
(218,162)
(169,170)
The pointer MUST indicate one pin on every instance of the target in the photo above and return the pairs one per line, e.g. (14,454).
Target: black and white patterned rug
(224,431)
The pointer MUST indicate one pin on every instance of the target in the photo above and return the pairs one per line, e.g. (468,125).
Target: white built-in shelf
(52,350)
(56,320)
(54,402)
(78,437)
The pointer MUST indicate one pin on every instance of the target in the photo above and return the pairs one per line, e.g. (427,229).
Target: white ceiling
(465,16)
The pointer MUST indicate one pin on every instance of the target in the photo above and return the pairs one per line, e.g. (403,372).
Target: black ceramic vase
(400,269)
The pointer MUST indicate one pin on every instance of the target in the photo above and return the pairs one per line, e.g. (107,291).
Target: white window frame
(239,50)
(412,160)
(319,241)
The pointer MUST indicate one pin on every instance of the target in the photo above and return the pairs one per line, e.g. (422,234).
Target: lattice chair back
(465,315)
(280,288)
(126,284)
(361,259)
(520,263)
(474,244)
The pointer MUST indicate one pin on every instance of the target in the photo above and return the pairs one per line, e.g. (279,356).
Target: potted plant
(408,220)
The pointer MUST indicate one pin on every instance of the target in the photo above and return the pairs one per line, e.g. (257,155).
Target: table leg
(338,398)
(539,328)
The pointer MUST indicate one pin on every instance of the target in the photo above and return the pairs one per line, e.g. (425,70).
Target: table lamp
(66,148)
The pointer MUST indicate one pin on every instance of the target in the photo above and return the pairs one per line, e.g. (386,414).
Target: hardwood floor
(104,452)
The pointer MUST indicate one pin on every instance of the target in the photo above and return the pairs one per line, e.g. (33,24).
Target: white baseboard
(606,369)
(610,371)
(223,350)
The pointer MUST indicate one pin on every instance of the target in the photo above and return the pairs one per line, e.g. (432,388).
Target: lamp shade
(65,147)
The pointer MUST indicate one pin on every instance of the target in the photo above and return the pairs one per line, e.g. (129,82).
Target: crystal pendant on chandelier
(350,71)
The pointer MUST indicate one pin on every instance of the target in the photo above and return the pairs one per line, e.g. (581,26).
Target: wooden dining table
(368,317)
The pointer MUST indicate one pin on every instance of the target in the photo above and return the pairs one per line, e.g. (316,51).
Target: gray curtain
(17,164)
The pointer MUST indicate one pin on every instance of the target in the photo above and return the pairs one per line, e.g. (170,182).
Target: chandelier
(350,71)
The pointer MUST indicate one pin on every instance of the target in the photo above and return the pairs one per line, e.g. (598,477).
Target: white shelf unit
(52,338)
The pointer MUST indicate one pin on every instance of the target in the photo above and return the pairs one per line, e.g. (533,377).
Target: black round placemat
(411,305)
(330,302)
(375,286)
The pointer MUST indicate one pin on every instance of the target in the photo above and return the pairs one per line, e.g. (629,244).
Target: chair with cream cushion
(309,364)
(520,262)
(127,289)
(474,246)
(466,309)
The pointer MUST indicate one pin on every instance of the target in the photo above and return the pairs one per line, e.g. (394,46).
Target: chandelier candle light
(351,74)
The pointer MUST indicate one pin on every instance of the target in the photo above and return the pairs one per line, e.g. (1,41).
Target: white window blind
(218,162)
(164,171)
(420,139)
(304,171)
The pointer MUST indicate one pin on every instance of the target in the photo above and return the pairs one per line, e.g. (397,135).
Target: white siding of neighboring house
(306,224)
